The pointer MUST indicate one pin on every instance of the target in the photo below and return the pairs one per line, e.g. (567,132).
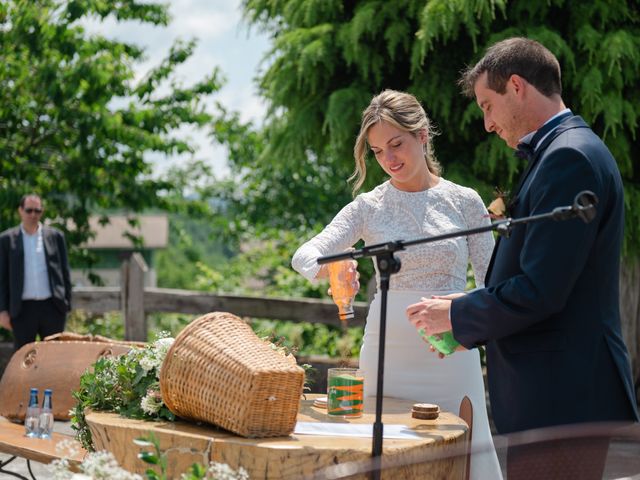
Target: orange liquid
(342,289)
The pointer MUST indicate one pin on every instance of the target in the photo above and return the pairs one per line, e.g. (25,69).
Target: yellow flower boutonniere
(498,207)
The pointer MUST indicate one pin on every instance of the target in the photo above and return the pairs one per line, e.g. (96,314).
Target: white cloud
(202,23)
(224,40)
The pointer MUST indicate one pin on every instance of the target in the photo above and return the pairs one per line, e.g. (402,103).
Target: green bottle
(442,342)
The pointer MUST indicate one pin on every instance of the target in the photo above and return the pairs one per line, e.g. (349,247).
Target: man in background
(35,284)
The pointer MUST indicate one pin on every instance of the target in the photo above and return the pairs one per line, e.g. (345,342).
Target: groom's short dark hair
(521,56)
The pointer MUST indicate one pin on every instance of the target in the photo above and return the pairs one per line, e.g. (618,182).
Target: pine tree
(329,57)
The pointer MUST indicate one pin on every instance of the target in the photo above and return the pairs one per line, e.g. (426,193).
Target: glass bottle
(45,425)
(342,289)
(33,413)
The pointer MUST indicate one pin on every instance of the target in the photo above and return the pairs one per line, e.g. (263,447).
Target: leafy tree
(191,242)
(330,57)
(75,125)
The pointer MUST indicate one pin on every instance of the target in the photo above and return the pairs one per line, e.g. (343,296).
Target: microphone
(584,207)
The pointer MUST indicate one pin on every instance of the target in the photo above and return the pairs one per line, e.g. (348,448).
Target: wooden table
(435,455)
(14,442)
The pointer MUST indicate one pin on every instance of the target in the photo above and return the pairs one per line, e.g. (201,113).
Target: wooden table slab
(14,442)
(435,455)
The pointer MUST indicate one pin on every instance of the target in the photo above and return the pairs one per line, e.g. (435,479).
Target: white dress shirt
(36,278)
(529,136)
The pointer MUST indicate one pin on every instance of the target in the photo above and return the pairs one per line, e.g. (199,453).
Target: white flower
(161,347)
(95,466)
(148,363)
(222,471)
(150,403)
(164,342)
(59,469)
(103,465)
(67,448)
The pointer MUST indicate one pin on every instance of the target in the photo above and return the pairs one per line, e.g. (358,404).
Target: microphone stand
(583,207)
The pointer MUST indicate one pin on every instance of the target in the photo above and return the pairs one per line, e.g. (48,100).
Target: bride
(415,202)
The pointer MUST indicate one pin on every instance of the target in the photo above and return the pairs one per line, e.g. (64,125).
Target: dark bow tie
(524,151)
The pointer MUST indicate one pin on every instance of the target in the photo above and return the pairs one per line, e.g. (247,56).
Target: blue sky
(224,40)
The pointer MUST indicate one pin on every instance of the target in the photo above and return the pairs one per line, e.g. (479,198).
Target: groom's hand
(432,314)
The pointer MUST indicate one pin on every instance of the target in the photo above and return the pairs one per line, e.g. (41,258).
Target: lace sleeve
(481,244)
(343,231)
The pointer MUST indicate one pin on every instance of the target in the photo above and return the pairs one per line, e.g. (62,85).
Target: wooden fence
(135,301)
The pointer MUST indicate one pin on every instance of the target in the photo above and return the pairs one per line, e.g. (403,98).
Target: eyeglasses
(29,211)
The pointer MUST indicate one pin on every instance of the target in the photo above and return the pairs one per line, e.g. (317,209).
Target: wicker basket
(220,372)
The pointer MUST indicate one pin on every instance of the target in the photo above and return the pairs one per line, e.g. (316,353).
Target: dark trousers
(37,317)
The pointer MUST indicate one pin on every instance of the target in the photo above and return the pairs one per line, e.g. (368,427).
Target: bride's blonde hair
(403,111)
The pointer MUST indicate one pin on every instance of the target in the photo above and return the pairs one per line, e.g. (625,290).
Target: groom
(549,314)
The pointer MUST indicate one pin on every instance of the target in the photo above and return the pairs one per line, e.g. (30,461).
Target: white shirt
(36,277)
(529,136)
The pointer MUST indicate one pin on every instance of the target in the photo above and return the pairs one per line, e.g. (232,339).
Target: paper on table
(354,430)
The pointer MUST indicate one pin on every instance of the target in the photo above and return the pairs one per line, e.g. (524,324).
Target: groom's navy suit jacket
(549,314)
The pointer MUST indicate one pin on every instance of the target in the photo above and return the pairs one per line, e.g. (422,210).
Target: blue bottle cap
(47,390)
(34,390)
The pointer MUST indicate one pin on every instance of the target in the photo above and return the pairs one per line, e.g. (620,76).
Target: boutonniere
(498,208)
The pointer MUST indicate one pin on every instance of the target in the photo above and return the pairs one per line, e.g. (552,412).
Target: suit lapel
(487,275)
(49,245)
(18,260)
(563,123)
(50,250)
(554,126)
(566,123)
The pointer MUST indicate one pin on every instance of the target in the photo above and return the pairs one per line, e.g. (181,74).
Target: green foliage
(103,465)
(329,58)
(262,267)
(127,384)
(192,241)
(314,339)
(197,471)
(5,335)
(110,324)
(75,126)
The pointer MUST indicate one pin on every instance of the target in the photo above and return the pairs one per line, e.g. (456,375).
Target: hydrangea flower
(151,403)
(95,466)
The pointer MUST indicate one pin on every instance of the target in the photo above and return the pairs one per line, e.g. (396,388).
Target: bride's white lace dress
(412,371)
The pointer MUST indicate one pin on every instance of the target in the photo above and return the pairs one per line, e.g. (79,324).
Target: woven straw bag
(218,371)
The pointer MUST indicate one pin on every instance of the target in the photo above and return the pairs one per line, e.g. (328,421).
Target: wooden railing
(135,301)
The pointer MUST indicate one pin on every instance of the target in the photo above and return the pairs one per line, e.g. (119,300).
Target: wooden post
(132,291)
